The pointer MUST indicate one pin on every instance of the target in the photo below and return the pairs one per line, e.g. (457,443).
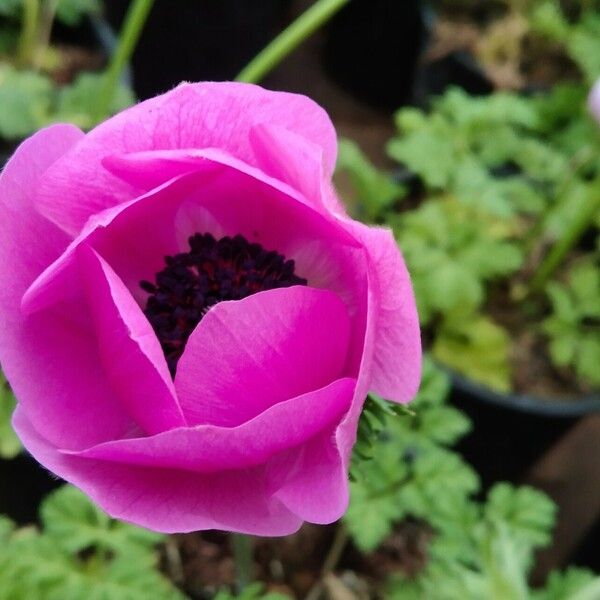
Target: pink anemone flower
(189,320)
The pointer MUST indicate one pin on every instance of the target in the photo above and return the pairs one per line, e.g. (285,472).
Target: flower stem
(28,34)
(135,19)
(242,555)
(569,239)
(289,39)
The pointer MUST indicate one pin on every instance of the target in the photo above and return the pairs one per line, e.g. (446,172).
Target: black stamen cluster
(230,268)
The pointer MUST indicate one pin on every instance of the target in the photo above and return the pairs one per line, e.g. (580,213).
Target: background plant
(29,95)
(506,186)
(474,549)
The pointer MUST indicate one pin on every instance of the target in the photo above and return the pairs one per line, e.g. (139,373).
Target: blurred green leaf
(77,102)
(477,348)
(26,100)
(71,12)
(573,326)
(10,445)
(375,191)
(80,555)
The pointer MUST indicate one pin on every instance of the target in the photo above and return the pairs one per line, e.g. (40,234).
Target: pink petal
(169,500)
(72,405)
(149,169)
(290,158)
(204,115)
(209,448)
(396,350)
(130,352)
(318,490)
(247,355)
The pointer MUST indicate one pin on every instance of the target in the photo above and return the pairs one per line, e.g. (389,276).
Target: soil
(202,563)
(73,60)
(511,57)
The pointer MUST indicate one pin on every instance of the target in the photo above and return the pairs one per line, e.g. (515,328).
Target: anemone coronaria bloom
(190,321)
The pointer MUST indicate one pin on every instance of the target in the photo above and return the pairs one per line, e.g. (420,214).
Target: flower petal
(316,486)
(396,362)
(51,382)
(247,355)
(130,352)
(209,448)
(203,115)
(169,500)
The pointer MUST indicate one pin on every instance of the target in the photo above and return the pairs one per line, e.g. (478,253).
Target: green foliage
(26,100)
(251,592)
(376,192)
(479,549)
(503,177)
(410,472)
(30,101)
(79,554)
(71,12)
(581,39)
(573,584)
(574,324)
(9,443)
(477,347)
(452,251)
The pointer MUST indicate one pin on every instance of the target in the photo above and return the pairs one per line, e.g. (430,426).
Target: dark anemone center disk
(213,270)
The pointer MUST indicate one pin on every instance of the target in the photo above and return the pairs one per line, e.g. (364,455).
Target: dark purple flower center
(213,270)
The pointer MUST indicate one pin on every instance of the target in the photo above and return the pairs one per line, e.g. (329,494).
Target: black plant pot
(197,40)
(373,47)
(23,485)
(510,431)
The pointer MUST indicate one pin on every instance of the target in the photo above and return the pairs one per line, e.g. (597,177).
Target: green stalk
(28,35)
(135,19)
(242,555)
(289,39)
(568,240)
(44,30)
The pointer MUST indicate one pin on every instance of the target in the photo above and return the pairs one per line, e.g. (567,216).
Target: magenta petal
(131,354)
(203,115)
(208,448)
(54,384)
(292,159)
(247,355)
(316,486)
(169,500)
(396,345)
(146,170)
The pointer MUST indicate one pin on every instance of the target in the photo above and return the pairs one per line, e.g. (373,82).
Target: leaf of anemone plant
(75,523)
(375,190)
(478,348)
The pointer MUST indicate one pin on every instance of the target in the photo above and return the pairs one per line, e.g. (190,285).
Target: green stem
(289,39)
(242,555)
(135,19)
(569,239)
(44,30)
(27,37)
